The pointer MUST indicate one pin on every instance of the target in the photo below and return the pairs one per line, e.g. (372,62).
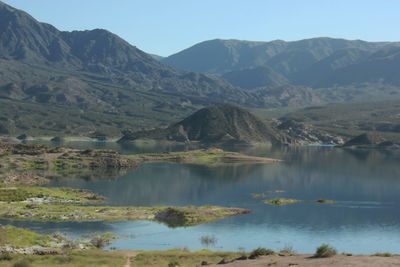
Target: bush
(5,257)
(102,240)
(288,249)
(325,251)
(261,252)
(173,264)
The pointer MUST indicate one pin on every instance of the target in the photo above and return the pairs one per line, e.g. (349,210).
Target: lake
(365,184)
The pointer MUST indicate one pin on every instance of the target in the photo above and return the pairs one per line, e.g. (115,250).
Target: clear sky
(165,27)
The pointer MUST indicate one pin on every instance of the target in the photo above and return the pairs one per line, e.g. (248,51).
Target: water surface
(366,184)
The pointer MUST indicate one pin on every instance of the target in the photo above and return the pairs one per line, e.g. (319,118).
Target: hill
(217,124)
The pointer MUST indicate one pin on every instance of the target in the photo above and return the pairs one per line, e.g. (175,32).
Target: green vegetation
(287,250)
(21,238)
(261,252)
(181,257)
(281,201)
(74,258)
(101,240)
(325,251)
(258,195)
(52,195)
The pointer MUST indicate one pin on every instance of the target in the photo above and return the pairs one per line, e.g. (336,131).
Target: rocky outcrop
(302,134)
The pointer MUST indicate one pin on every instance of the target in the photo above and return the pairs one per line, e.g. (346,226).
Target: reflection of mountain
(311,173)
(226,173)
(98,174)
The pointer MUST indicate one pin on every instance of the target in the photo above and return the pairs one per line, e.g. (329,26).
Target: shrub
(102,240)
(261,252)
(5,257)
(288,249)
(325,251)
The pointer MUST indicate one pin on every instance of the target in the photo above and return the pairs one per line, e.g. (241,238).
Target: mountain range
(317,62)
(76,83)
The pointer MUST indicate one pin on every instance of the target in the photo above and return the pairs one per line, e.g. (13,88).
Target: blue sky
(165,27)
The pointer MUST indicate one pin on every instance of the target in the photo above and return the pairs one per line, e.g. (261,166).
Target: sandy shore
(307,260)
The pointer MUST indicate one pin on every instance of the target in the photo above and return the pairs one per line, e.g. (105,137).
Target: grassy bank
(48,195)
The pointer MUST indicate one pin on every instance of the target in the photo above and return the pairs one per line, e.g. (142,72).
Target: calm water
(365,183)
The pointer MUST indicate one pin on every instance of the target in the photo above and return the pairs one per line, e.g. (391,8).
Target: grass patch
(258,195)
(64,195)
(325,251)
(70,259)
(383,254)
(21,238)
(281,201)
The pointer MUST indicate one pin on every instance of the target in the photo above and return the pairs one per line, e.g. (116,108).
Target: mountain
(94,74)
(216,124)
(383,65)
(255,77)
(317,63)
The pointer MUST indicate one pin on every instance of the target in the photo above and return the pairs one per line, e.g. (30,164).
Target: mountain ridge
(316,62)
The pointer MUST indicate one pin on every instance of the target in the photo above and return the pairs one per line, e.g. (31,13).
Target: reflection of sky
(365,184)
